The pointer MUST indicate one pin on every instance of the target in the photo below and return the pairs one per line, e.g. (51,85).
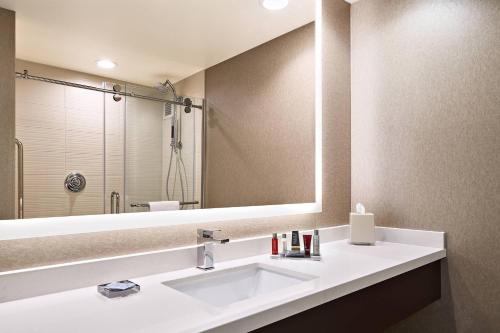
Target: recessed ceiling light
(274,4)
(105,63)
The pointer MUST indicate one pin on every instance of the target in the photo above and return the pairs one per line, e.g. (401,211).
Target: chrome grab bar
(146,205)
(115,202)
(20,179)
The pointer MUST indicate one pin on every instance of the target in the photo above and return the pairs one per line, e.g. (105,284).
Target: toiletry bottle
(295,241)
(307,245)
(284,245)
(316,243)
(275,244)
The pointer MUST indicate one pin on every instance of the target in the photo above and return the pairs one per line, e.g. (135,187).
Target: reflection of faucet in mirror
(206,243)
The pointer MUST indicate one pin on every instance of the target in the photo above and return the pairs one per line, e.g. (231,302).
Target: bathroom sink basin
(228,286)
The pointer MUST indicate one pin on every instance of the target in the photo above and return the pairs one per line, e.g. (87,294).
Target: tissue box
(362,228)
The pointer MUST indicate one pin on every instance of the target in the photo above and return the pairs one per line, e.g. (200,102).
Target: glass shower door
(125,151)
(114,152)
(160,150)
(62,130)
(182,168)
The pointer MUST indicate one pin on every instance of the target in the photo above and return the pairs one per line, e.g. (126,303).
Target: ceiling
(150,40)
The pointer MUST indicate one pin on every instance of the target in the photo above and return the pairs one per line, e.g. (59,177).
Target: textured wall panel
(260,133)
(426,143)
(336,113)
(7,114)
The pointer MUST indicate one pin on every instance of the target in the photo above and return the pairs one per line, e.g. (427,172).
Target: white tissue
(362,226)
(360,209)
(159,206)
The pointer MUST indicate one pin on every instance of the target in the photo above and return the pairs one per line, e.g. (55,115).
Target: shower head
(165,87)
(161,88)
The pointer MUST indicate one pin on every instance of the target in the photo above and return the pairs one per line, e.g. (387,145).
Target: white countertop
(344,269)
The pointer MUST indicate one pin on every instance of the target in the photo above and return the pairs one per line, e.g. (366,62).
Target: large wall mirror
(177,105)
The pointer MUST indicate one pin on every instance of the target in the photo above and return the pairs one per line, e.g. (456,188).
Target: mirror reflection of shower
(163,148)
(117,136)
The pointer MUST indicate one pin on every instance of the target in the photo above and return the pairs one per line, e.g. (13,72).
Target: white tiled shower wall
(62,130)
(144,152)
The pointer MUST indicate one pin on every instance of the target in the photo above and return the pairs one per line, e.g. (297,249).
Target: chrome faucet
(206,243)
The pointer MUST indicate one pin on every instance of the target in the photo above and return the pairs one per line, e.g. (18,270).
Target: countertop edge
(279,312)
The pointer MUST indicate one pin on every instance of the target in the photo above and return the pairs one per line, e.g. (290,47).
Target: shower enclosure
(161,144)
(105,150)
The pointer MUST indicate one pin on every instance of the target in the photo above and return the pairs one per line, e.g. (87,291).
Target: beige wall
(336,113)
(7,114)
(260,133)
(193,86)
(16,254)
(426,141)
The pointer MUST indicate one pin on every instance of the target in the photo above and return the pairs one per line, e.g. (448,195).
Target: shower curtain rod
(26,75)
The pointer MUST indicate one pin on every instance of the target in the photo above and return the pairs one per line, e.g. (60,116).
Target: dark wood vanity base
(372,309)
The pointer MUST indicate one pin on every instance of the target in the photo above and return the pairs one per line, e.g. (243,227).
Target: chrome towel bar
(146,205)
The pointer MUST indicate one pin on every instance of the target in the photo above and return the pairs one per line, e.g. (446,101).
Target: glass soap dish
(118,289)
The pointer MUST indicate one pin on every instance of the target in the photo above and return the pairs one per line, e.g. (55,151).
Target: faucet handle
(206,233)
